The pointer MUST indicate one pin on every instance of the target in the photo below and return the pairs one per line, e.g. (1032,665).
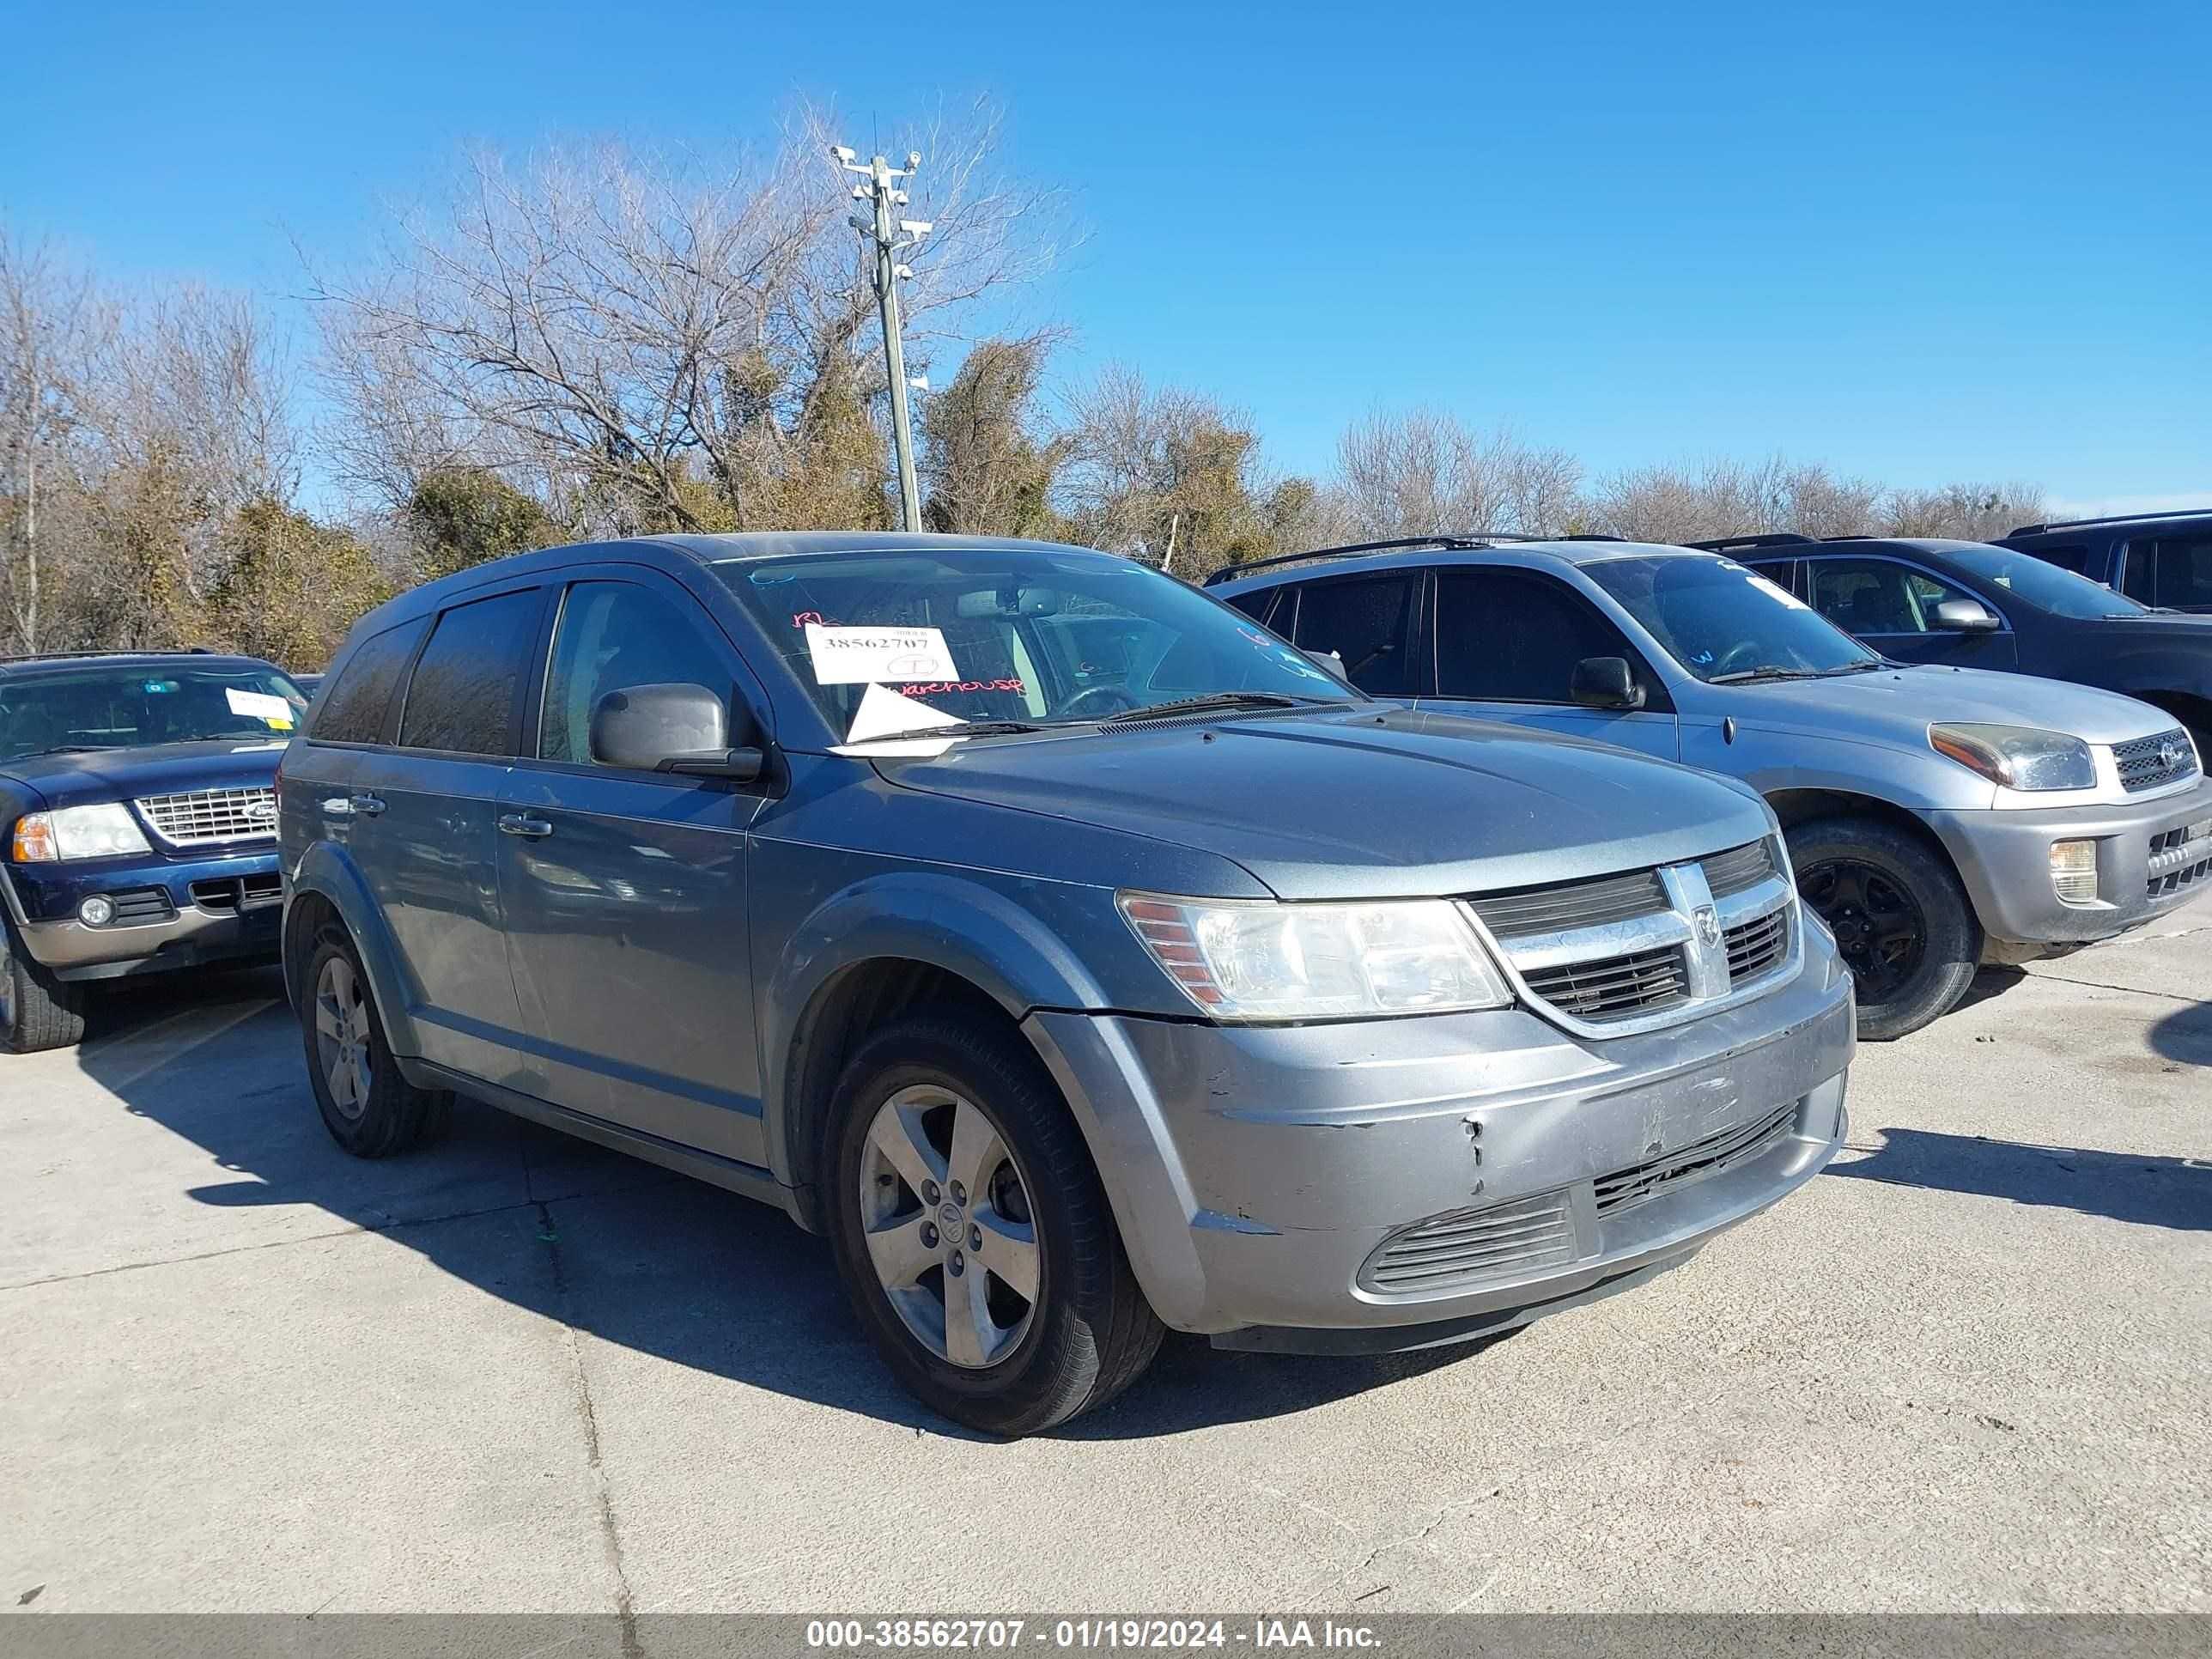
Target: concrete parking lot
(1971,1367)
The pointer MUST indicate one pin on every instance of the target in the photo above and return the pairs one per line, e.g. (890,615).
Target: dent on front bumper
(221,908)
(2148,864)
(1261,1175)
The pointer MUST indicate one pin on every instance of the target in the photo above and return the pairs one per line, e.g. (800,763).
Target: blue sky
(1919,242)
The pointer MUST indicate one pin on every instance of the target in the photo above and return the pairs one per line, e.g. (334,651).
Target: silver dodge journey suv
(1081,957)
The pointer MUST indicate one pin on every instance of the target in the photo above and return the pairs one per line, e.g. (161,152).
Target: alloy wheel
(949,1226)
(1878,924)
(342,1037)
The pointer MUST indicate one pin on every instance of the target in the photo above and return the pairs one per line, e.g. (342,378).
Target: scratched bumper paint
(1256,1170)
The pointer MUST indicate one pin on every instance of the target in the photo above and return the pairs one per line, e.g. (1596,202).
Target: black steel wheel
(1901,919)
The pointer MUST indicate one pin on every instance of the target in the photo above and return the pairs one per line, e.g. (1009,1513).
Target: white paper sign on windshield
(883,714)
(259,706)
(853,656)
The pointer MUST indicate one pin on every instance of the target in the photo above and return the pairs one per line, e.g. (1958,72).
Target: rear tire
(926,1104)
(37,1011)
(1902,921)
(369,1108)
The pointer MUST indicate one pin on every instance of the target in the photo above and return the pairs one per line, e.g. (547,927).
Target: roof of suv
(15,667)
(2062,525)
(1562,551)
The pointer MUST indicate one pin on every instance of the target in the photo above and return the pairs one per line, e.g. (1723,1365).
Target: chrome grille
(1740,867)
(1625,1189)
(207,815)
(1757,947)
(2149,762)
(1571,904)
(1616,988)
(1466,1246)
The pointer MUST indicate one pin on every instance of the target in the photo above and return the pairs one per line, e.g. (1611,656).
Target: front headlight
(1256,961)
(101,831)
(2018,756)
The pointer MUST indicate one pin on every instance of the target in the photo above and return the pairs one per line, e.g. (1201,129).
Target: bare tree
(648,341)
(1425,472)
(1967,511)
(54,325)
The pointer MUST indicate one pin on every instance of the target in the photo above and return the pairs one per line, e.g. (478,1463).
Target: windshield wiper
(963,729)
(62,748)
(1868,666)
(1212,700)
(1766,670)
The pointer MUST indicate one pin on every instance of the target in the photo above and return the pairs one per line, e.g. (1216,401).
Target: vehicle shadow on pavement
(2154,1190)
(623,1251)
(2185,1035)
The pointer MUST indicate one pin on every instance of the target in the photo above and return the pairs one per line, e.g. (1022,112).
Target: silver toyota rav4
(1079,956)
(1938,818)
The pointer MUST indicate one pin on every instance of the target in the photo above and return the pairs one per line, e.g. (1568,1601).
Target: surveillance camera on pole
(876,187)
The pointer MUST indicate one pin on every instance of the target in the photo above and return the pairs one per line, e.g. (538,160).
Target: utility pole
(877,188)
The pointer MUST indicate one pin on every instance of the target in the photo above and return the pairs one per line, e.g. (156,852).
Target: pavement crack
(587,1413)
(2103,985)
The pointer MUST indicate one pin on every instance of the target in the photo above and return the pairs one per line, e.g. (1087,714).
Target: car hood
(167,769)
(1377,802)
(1899,704)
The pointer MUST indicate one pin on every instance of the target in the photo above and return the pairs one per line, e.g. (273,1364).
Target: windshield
(1722,623)
(1027,637)
(2044,586)
(108,707)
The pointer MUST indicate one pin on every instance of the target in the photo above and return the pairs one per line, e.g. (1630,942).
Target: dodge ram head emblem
(1709,924)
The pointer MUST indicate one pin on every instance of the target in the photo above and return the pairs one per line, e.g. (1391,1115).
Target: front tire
(369,1108)
(37,1011)
(1904,923)
(971,1231)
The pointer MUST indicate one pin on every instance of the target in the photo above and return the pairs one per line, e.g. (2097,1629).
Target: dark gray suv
(1078,955)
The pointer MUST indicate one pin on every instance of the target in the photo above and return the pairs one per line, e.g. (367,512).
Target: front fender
(328,871)
(944,920)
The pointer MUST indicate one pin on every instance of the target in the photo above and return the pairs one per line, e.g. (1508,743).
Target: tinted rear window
(352,710)
(469,679)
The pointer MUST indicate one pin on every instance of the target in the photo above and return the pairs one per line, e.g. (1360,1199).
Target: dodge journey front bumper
(1395,1183)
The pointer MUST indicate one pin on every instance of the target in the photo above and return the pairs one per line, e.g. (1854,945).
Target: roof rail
(1229,573)
(2110,518)
(113,651)
(1730,543)
(1590,536)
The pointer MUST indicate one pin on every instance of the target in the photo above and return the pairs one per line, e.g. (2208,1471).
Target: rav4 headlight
(2018,756)
(1256,961)
(101,831)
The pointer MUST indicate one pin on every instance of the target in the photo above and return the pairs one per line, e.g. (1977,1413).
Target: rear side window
(470,677)
(1515,637)
(614,635)
(1368,623)
(2183,570)
(352,710)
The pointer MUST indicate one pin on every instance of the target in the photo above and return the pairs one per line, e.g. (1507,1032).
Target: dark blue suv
(138,814)
(2163,560)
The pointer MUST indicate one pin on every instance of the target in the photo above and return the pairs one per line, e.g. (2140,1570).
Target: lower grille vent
(1625,1188)
(1464,1247)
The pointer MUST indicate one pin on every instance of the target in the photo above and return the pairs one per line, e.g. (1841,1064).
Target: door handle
(518,824)
(367,805)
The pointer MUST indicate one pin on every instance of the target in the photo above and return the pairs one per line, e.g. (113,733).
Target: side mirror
(1965,617)
(683,729)
(1605,683)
